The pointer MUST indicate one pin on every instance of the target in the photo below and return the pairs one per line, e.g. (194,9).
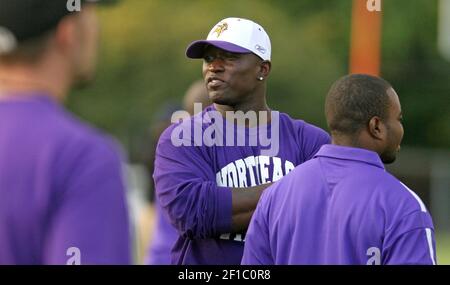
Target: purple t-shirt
(62,198)
(341,207)
(193,183)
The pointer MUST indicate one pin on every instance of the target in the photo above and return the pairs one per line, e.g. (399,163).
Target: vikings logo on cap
(221,28)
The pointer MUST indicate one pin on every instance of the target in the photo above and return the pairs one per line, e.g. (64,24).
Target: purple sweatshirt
(62,197)
(341,207)
(193,183)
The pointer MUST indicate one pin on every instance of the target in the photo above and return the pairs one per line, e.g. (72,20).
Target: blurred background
(143,67)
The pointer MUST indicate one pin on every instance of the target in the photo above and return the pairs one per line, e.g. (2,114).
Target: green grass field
(443,248)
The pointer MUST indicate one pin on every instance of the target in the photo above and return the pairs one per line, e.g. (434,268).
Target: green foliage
(443,248)
(142,63)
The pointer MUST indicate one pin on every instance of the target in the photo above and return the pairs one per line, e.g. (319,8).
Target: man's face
(394,129)
(231,78)
(88,35)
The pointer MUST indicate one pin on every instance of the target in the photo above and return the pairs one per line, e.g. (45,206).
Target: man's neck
(345,141)
(358,141)
(244,108)
(18,81)
(262,112)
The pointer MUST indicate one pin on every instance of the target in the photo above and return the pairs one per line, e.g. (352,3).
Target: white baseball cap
(234,35)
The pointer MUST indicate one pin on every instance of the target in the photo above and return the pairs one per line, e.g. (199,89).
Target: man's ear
(377,129)
(265,68)
(66,33)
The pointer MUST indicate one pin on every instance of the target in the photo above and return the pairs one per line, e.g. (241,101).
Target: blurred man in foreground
(62,198)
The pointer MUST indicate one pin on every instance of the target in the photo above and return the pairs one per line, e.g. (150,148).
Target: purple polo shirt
(193,183)
(341,207)
(62,198)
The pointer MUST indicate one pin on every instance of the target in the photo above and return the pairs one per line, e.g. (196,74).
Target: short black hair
(353,100)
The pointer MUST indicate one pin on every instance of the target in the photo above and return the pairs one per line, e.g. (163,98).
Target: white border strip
(430,245)
(422,205)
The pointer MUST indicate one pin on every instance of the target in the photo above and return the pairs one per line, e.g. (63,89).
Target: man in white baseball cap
(209,193)
(243,50)
(234,35)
